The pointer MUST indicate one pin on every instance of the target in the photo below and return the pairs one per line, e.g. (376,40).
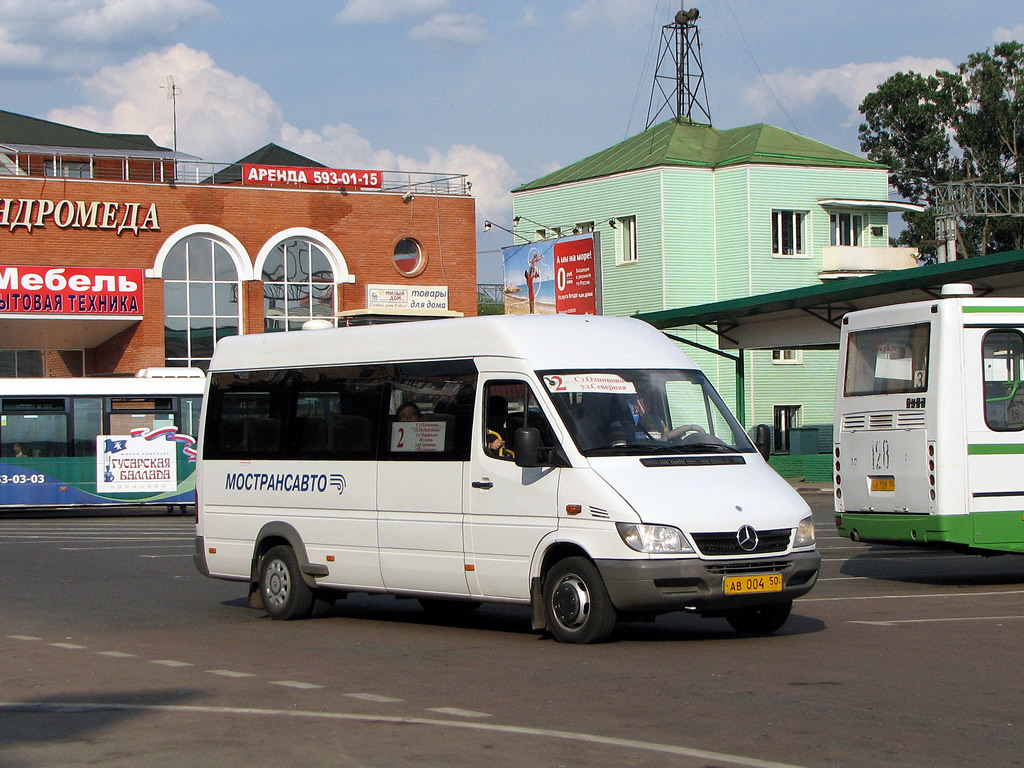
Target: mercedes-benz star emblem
(746,537)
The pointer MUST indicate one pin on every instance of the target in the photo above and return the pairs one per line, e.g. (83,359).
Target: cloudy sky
(502,90)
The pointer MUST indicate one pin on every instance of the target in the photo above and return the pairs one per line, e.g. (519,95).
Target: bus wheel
(760,619)
(285,595)
(576,602)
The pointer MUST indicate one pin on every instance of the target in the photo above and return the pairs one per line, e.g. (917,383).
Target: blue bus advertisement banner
(146,466)
(559,276)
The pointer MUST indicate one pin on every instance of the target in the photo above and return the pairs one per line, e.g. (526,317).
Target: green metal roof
(809,316)
(687,144)
(21,129)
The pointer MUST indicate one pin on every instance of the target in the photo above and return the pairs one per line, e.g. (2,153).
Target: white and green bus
(929,424)
(105,441)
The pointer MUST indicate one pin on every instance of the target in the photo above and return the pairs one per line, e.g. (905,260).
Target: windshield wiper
(629,449)
(704,448)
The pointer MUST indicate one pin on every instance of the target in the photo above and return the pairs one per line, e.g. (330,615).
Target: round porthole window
(409,260)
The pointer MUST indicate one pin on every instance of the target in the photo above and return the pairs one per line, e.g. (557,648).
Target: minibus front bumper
(660,586)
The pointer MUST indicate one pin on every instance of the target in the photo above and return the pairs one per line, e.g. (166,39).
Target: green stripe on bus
(994,449)
(992,310)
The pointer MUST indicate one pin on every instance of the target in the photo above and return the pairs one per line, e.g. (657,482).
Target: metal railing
(164,170)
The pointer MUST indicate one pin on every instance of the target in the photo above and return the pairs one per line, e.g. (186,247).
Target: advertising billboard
(560,276)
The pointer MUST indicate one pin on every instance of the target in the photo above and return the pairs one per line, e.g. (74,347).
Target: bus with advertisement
(100,441)
(582,466)
(929,424)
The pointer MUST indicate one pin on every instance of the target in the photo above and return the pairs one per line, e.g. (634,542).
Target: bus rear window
(885,361)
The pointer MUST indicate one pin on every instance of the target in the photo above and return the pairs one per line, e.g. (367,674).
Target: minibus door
(509,509)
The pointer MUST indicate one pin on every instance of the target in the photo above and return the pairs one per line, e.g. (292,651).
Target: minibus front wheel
(285,595)
(576,603)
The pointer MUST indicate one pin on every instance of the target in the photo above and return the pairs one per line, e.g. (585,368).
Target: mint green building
(689,214)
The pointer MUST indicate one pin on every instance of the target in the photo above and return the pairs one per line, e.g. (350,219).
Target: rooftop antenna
(682,84)
(172,94)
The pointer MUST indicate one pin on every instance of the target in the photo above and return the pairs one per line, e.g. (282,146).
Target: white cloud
(849,84)
(90,21)
(111,20)
(222,117)
(465,28)
(378,11)
(18,55)
(1004,34)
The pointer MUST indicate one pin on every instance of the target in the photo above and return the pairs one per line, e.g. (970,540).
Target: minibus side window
(429,410)
(245,415)
(335,413)
(508,406)
(1002,353)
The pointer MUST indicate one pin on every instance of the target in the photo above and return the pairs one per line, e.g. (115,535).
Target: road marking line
(910,597)
(587,738)
(893,622)
(23,637)
(116,654)
(295,684)
(171,663)
(230,673)
(373,697)
(457,712)
(69,646)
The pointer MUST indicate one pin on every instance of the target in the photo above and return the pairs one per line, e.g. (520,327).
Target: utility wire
(760,74)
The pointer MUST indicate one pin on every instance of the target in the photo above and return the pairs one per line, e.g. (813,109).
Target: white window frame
(854,226)
(798,222)
(787,357)
(626,250)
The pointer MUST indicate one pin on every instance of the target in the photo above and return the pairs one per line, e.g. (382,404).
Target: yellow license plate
(745,585)
(883,483)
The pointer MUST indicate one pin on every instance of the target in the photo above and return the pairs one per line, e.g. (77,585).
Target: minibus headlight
(804,533)
(653,539)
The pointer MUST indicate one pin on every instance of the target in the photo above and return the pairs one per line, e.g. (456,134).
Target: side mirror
(527,447)
(763,440)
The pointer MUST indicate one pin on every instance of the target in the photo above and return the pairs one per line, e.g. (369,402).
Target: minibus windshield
(631,412)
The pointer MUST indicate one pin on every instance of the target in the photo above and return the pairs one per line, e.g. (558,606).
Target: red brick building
(117,255)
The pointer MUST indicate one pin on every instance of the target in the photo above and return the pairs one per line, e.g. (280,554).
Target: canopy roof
(809,317)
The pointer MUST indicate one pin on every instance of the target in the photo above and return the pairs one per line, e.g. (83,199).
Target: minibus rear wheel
(760,619)
(576,603)
(285,594)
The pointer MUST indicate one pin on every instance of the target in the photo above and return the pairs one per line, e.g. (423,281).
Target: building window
(846,228)
(788,233)
(786,419)
(298,285)
(409,259)
(201,301)
(583,228)
(21,363)
(35,363)
(67,169)
(627,253)
(786,357)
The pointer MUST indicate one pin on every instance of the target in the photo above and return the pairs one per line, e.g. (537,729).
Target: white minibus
(580,465)
(929,423)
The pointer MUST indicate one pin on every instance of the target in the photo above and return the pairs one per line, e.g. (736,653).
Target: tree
(966,125)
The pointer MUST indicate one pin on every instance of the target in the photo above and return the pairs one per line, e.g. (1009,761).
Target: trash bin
(803,441)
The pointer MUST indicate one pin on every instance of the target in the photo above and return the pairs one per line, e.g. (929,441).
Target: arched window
(201,300)
(298,285)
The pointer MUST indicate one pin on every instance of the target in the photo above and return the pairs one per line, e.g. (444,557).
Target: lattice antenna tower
(679,74)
